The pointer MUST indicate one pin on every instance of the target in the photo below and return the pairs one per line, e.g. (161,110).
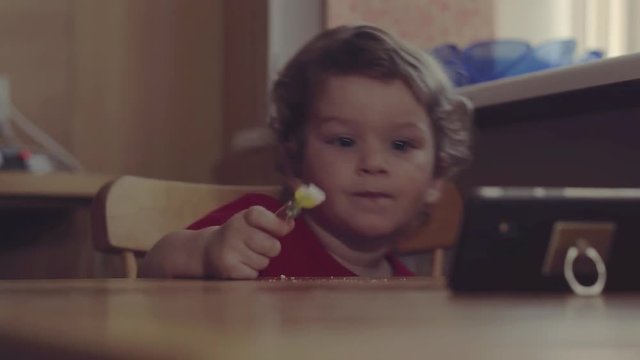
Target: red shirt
(302,253)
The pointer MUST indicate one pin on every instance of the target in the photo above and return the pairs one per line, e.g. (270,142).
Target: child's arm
(239,249)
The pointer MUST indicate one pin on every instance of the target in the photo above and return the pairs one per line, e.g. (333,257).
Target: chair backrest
(440,233)
(130,214)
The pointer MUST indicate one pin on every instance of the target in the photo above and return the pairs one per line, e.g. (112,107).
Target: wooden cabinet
(45,227)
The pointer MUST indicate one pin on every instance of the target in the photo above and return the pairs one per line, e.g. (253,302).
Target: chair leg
(130,265)
(437,269)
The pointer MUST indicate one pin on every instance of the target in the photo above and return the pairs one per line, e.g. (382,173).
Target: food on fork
(305,197)
(308,196)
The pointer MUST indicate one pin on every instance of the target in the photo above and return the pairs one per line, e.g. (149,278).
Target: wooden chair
(440,233)
(131,213)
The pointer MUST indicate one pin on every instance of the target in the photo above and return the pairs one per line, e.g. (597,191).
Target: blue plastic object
(495,59)
(591,56)
(450,57)
(550,54)
(490,60)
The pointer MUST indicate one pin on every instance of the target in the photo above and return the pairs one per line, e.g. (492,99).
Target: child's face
(370,147)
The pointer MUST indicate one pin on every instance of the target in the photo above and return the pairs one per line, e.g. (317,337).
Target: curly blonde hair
(369,51)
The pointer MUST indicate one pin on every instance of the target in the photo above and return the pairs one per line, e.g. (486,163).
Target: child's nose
(372,161)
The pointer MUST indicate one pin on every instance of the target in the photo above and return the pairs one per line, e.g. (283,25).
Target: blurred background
(178,89)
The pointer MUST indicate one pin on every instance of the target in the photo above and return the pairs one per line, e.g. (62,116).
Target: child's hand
(244,245)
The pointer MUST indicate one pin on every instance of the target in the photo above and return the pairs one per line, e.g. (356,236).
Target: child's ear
(434,192)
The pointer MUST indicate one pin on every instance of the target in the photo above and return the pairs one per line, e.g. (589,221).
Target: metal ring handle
(579,289)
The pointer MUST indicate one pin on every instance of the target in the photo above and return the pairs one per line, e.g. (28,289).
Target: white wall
(609,25)
(534,21)
(634,26)
(291,24)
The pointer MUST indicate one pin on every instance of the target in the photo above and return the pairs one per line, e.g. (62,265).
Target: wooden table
(347,318)
(45,226)
(27,189)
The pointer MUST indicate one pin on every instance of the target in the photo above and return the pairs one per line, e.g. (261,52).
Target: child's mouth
(372,196)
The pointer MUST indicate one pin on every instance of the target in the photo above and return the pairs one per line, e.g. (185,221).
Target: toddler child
(372,122)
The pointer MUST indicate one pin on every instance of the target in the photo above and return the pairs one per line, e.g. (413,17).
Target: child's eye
(401,145)
(343,141)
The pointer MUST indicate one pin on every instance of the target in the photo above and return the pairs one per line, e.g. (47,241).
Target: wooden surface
(35,55)
(125,86)
(347,318)
(148,82)
(63,185)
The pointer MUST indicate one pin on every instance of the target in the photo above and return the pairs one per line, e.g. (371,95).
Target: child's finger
(254,260)
(242,272)
(263,219)
(263,244)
